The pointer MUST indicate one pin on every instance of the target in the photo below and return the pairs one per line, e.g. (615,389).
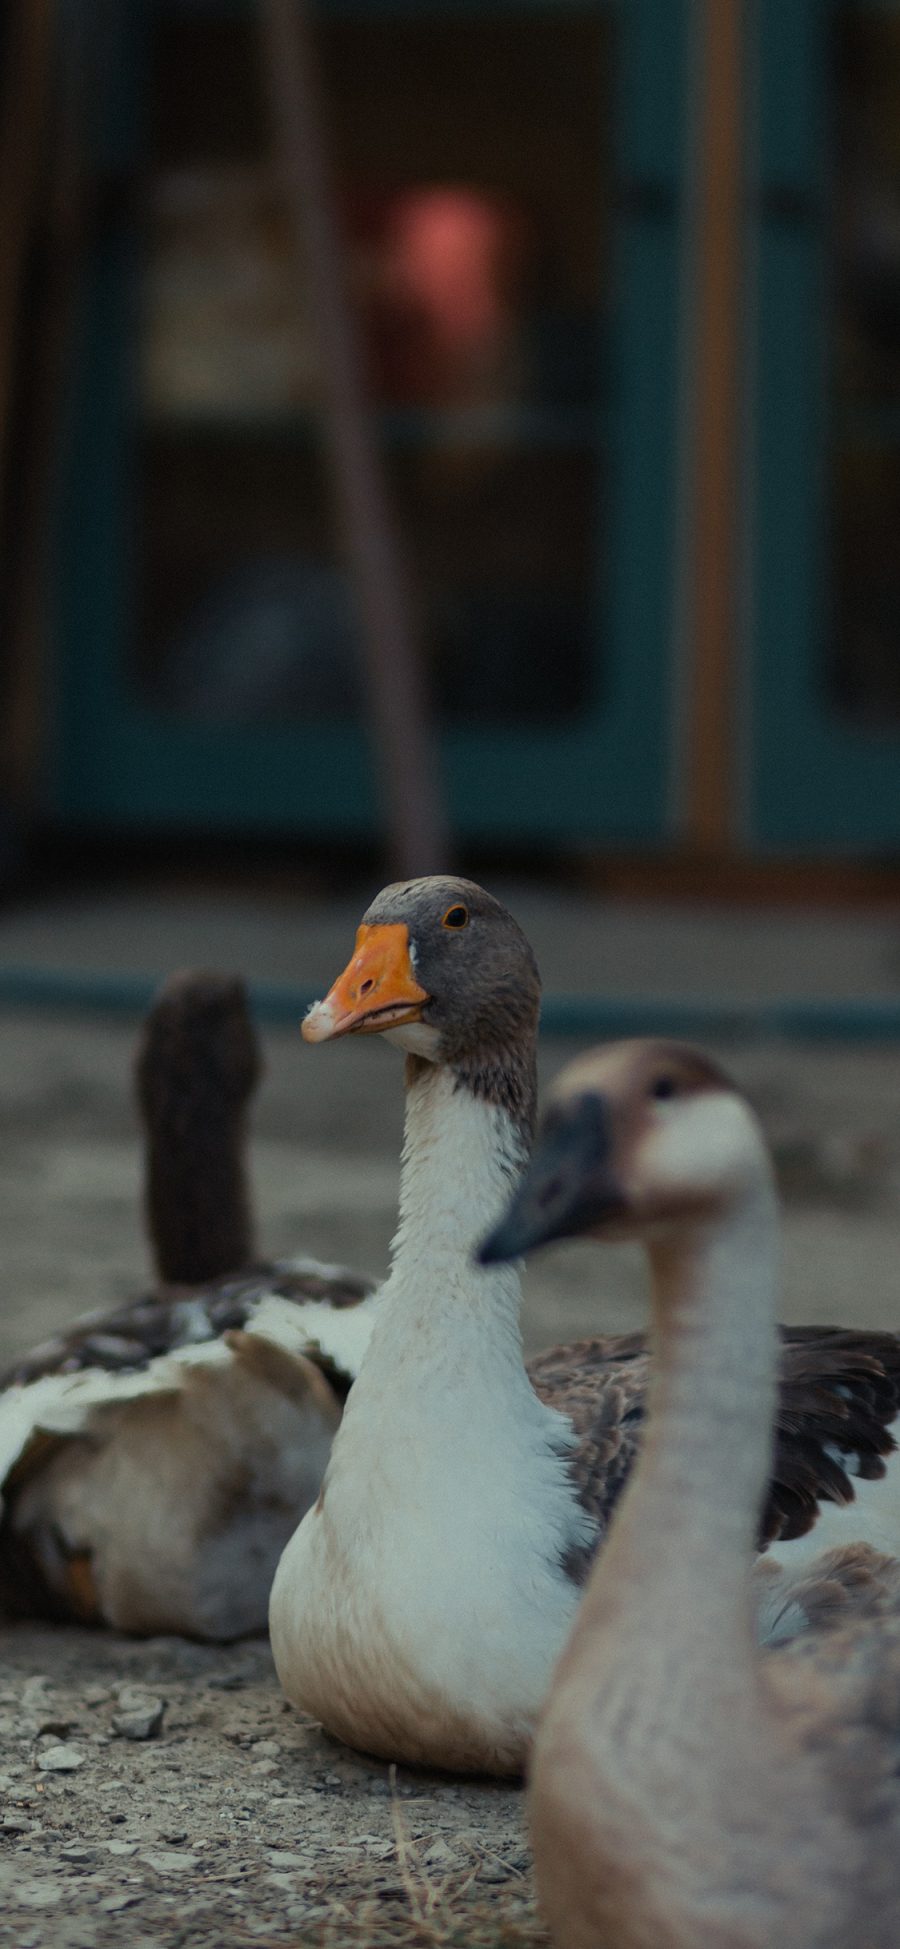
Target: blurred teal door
(823,729)
(511,177)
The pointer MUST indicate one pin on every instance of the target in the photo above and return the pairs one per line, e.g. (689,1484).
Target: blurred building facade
(585,424)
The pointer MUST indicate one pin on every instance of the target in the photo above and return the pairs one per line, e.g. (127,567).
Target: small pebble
(32,1695)
(60,1759)
(168,1863)
(38,1894)
(439,1855)
(139,1714)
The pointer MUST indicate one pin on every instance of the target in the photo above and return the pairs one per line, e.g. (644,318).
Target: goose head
(640,1139)
(442,969)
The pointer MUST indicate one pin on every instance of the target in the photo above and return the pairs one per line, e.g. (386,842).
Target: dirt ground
(235,1821)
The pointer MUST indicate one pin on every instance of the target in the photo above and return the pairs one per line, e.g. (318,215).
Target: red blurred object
(439,271)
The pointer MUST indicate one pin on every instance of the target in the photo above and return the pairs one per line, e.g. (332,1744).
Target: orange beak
(377,990)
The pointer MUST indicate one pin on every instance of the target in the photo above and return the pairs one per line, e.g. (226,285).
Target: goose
(155,1458)
(419,1608)
(687,1788)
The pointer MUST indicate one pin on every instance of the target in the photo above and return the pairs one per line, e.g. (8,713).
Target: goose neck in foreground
(680,1551)
(656,1751)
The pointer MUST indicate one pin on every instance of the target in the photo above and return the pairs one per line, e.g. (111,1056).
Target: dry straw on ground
(408,1906)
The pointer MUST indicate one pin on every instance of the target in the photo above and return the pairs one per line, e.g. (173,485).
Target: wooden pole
(24,105)
(26,99)
(713,494)
(62,227)
(405,745)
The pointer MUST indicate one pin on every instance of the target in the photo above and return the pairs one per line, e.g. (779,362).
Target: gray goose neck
(683,1541)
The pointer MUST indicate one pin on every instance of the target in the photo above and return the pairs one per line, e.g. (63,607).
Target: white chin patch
(318,1023)
(417,1038)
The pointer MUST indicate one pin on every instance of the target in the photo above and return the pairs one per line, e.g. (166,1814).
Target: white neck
(461,1159)
(677,1562)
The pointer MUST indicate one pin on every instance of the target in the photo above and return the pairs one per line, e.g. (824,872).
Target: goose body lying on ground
(154,1459)
(420,1606)
(687,1789)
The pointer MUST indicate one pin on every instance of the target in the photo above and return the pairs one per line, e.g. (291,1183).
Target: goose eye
(456,917)
(663,1088)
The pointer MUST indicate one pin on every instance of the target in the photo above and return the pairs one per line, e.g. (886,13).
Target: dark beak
(569,1187)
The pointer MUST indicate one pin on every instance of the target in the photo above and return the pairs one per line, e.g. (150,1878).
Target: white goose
(686,1789)
(420,1606)
(155,1459)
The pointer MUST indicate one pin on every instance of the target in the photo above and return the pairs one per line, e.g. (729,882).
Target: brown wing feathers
(601,1385)
(839,1394)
